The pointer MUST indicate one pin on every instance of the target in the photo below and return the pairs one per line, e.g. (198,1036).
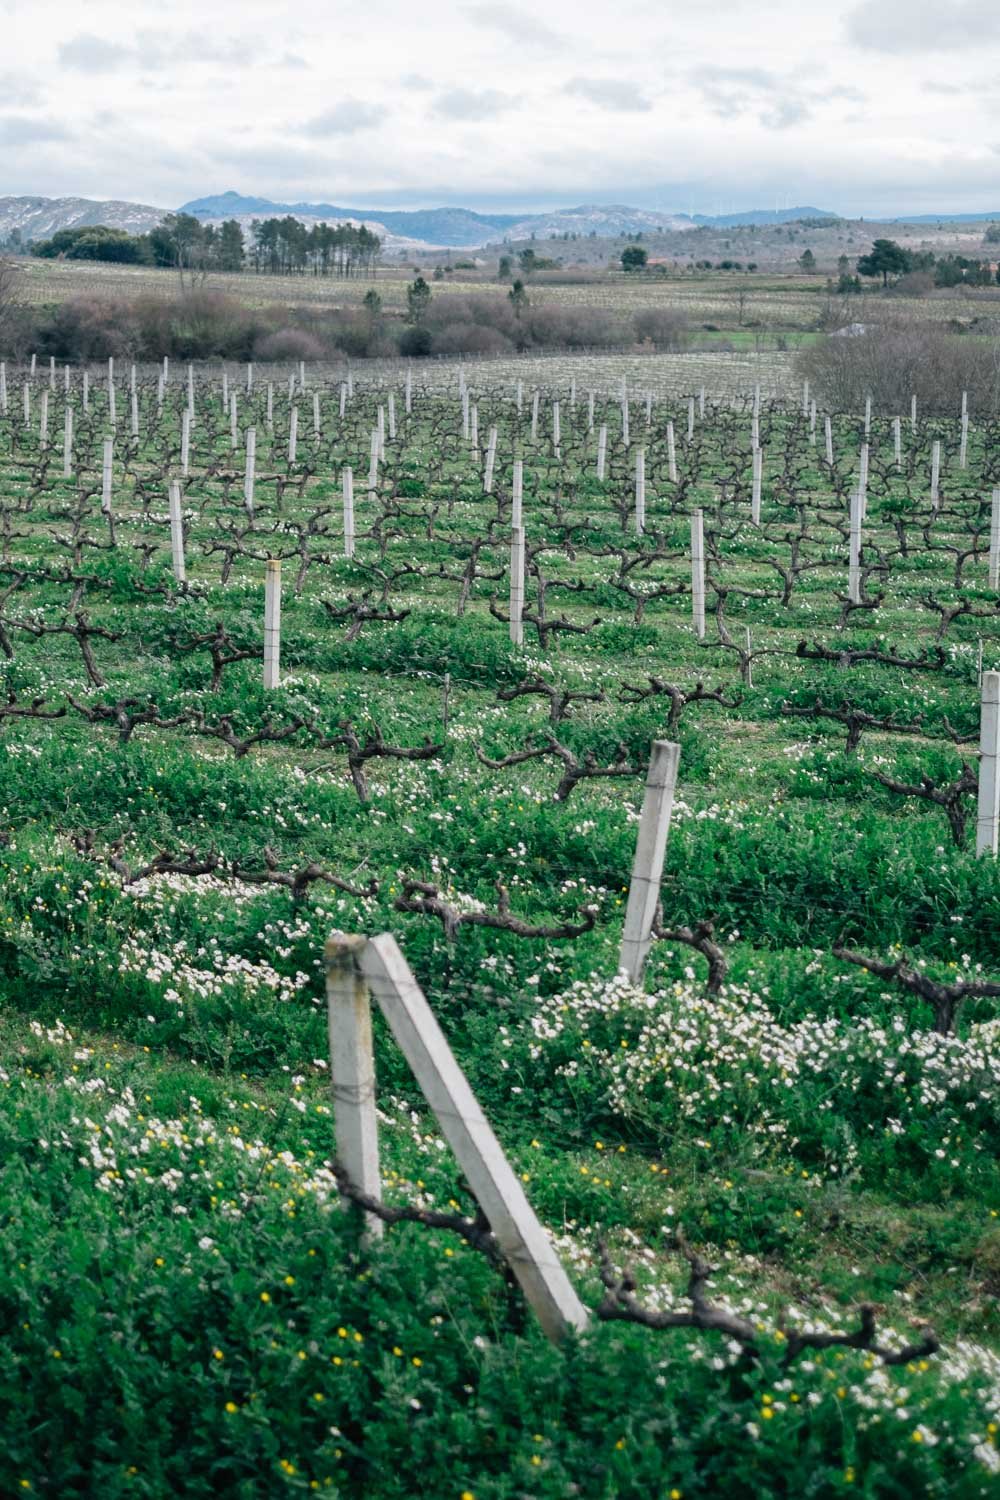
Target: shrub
(289,343)
(416,343)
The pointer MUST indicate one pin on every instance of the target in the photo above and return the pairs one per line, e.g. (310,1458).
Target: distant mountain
(38,218)
(758,216)
(938,218)
(445,227)
(605,221)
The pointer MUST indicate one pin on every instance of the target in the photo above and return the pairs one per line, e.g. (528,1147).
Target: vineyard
(290,651)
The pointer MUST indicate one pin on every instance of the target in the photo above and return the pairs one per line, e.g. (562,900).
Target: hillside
(38,218)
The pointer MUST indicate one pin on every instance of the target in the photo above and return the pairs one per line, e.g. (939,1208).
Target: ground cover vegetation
(803,1092)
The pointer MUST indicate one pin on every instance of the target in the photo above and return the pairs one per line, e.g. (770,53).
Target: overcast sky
(884,106)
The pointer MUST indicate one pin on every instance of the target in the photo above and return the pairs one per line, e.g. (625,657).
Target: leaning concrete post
(854,565)
(293,434)
(491,458)
(517,493)
(352,1070)
(534,415)
(935,472)
(671,454)
(106,465)
(516,585)
(251,470)
(698,573)
(185,441)
(602,450)
(176,531)
(272,624)
(988,821)
(526,1247)
(640,491)
(995,540)
(647,867)
(758,474)
(68,442)
(347,484)
(828,436)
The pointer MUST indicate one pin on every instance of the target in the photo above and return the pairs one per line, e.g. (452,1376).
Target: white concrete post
(166,369)
(828,437)
(868,416)
(3,388)
(409,392)
(347,483)
(176,530)
(812,423)
(534,415)
(234,434)
(86,390)
(43,419)
(854,565)
(52,372)
(249,378)
(491,458)
(302,374)
(68,442)
(272,624)
(690,418)
(516,585)
(225,389)
(269,408)
(373,462)
(963,447)
(34,366)
(897,442)
(474,425)
(640,491)
(495,1186)
(805,398)
(556,427)
(698,573)
(517,494)
(391,414)
(994,575)
(701,403)
(185,441)
(380,429)
(758,474)
(26,403)
(317,429)
(671,454)
(988,821)
(293,434)
(626,438)
(106,467)
(602,450)
(590,411)
(913,413)
(250,472)
(134,412)
(935,472)
(112,404)
(190,388)
(352,1070)
(863,479)
(647,866)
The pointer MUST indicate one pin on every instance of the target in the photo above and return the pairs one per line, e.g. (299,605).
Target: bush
(666,327)
(289,344)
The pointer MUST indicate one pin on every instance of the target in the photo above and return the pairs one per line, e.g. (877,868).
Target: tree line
(283,246)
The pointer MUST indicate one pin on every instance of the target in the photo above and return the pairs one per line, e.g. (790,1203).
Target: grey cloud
(345,118)
(88,53)
(903,26)
(24,130)
(16,88)
(779,101)
(468,104)
(609,93)
(416,81)
(517,25)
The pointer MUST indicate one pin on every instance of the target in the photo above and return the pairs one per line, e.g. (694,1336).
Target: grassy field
(186,1305)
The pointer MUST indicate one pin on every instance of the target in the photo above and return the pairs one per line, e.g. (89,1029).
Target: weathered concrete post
(602,450)
(828,436)
(106,467)
(176,530)
(994,574)
(491,458)
(517,494)
(698,573)
(671,454)
(352,1070)
(293,434)
(347,483)
(640,491)
(935,472)
(854,564)
(185,441)
(758,475)
(68,442)
(272,624)
(647,866)
(897,442)
(250,470)
(516,585)
(988,821)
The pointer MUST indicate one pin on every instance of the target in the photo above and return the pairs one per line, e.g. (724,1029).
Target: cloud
(467,104)
(88,53)
(345,118)
(609,93)
(903,26)
(416,82)
(779,101)
(518,25)
(27,130)
(16,88)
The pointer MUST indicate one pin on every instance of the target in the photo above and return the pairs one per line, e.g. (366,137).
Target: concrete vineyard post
(269,407)
(293,434)
(43,419)
(854,564)
(526,1247)
(272,624)
(234,434)
(534,415)
(626,438)
(640,491)
(176,531)
(185,441)
(897,442)
(701,404)
(166,369)
(225,390)
(556,428)
(805,398)
(112,404)
(690,418)
(26,404)
(868,416)
(698,573)
(373,462)
(758,474)
(516,585)
(812,423)
(347,482)
(602,450)
(828,437)
(491,458)
(134,405)
(913,413)
(34,366)
(647,866)
(863,479)
(352,1070)
(935,472)
(317,429)
(988,820)
(52,372)
(380,429)
(754,431)
(994,575)
(68,442)
(249,379)
(963,447)
(302,374)
(517,494)
(408,402)
(590,411)
(190,389)
(474,425)
(3,388)
(250,471)
(106,467)
(391,415)
(671,454)
(86,390)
